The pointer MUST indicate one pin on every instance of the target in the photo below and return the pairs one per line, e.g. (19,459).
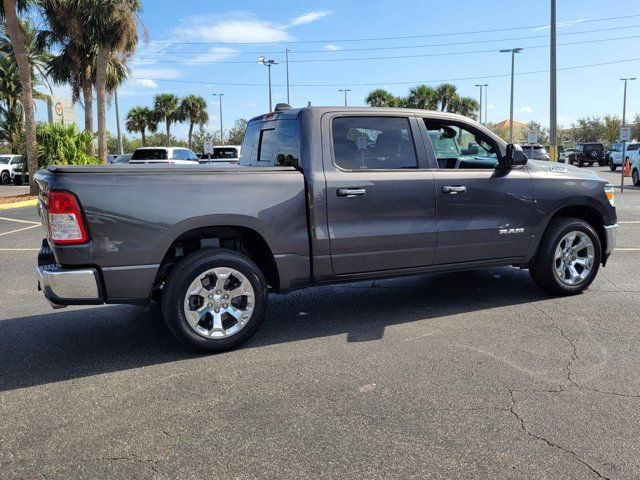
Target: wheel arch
(241,239)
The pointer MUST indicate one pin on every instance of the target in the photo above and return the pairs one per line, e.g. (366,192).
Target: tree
(636,127)
(422,97)
(587,129)
(543,133)
(446,94)
(236,134)
(193,108)
(466,106)
(141,119)
(112,26)
(9,12)
(611,128)
(382,98)
(166,106)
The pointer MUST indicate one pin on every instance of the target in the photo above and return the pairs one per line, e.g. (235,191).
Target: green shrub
(64,145)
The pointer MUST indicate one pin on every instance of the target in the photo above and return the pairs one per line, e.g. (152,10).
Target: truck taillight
(66,226)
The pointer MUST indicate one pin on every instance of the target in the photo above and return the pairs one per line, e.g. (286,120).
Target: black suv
(588,153)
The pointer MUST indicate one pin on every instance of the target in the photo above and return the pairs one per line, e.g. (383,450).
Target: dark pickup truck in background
(322,195)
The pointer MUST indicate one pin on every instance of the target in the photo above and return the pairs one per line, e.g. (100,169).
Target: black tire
(594,154)
(17,179)
(612,166)
(602,162)
(542,270)
(591,164)
(635,177)
(5,177)
(176,288)
(580,164)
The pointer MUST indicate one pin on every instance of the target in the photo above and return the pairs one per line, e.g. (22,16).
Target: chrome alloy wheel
(574,257)
(219,302)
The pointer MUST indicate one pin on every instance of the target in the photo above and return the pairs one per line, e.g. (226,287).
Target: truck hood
(562,170)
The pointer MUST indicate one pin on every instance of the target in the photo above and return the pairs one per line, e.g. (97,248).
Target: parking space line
(19,221)
(19,249)
(630,222)
(626,249)
(19,230)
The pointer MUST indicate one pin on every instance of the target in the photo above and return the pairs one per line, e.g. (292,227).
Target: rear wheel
(635,177)
(214,300)
(5,177)
(612,166)
(568,257)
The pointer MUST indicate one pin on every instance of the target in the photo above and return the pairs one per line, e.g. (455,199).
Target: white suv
(632,151)
(8,164)
(159,155)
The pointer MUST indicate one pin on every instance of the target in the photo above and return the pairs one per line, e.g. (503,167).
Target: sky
(205,47)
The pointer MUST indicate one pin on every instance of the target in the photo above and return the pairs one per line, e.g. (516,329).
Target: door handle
(453,189)
(351,192)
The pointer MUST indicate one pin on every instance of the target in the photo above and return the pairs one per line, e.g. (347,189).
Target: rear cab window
(150,154)
(271,143)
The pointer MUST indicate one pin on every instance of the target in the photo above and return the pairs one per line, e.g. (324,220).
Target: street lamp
(624,115)
(486,105)
(345,94)
(268,64)
(553,99)
(220,95)
(480,109)
(513,61)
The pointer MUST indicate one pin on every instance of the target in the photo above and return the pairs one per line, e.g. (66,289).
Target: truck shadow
(77,343)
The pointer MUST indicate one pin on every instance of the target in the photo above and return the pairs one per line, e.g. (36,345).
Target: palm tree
(194,109)
(75,63)
(466,106)
(166,106)
(423,97)
(446,93)
(383,98)
(112,26)
(139,119)
(9,12)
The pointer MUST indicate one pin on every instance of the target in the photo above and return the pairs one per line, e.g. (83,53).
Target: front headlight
(611,196)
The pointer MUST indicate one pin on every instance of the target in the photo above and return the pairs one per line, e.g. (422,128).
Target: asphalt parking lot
(467,375)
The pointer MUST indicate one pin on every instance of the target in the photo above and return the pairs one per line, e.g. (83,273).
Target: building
(519,130)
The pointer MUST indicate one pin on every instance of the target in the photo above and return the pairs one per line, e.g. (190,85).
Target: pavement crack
(523,427)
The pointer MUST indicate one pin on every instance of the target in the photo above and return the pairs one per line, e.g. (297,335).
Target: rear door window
(150,154)
(271,143)
(374,143)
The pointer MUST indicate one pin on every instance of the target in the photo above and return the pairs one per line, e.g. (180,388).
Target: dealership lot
(470,375)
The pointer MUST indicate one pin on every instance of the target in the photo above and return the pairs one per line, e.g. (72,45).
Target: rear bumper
(69,287)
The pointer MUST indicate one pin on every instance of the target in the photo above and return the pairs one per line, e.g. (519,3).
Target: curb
(24,203)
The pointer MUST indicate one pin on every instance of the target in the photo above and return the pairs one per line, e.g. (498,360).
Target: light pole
(624,117)
(553,119)
(220,95)
(480,110)
(345,94)
(486,105)
(268,64)
(513,62)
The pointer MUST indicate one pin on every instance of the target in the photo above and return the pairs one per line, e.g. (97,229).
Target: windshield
(5,160)
(150,154)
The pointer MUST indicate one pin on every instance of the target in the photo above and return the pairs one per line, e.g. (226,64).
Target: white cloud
(491,106)
(309,17)
(526,110)
(332,47)
(215,54)
(230,27)
(155,73)
(143,83)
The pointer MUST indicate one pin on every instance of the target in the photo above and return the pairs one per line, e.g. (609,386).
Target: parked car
(8,164)
(160,155)
(632,150)
(635,171)
(122,159)
(535,151)
(589,153)
(224,153)
(324,195)
(566,155)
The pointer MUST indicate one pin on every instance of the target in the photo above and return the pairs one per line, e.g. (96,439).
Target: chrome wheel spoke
(574,258)
(207,303)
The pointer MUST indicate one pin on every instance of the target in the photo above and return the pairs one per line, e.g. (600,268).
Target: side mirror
(514,156)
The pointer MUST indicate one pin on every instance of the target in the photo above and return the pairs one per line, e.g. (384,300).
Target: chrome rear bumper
(68,287)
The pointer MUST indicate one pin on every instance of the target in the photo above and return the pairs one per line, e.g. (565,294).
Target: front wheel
(568,257)
(612,166)
(214,300)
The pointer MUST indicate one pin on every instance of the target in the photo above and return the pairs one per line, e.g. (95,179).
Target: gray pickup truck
(321,195)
